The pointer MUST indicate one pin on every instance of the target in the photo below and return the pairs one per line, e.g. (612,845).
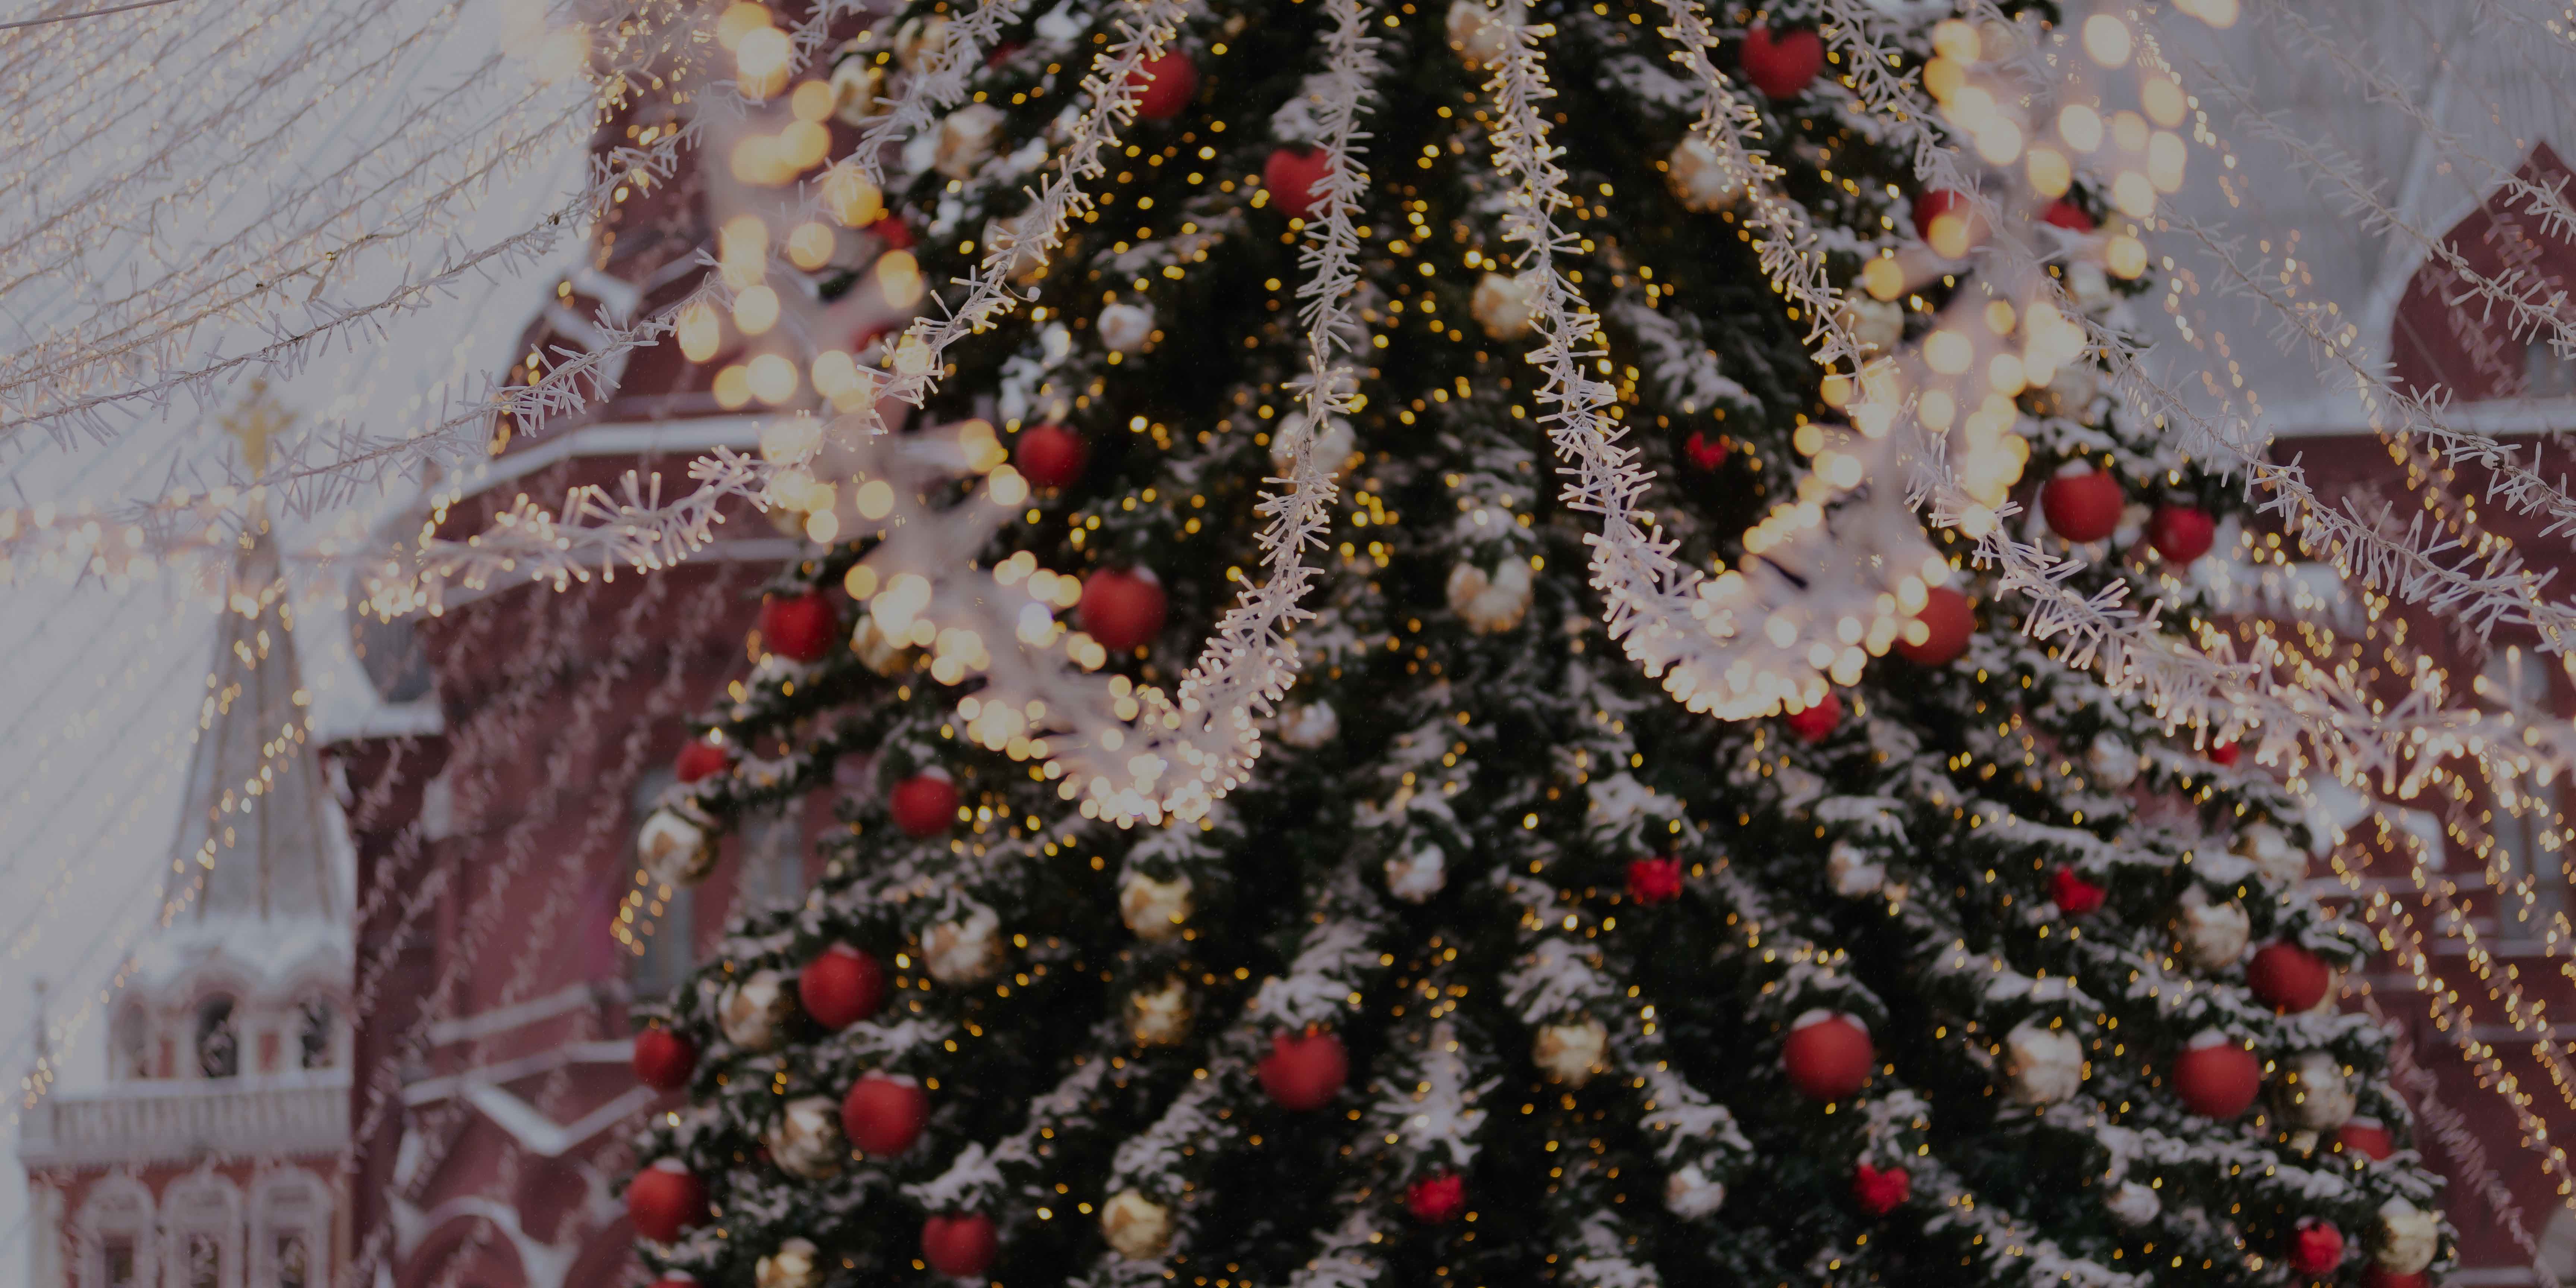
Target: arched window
(290,1231)
(316,1033)
(115,1235)
(218,1043)
(201,1217)
(127,1056)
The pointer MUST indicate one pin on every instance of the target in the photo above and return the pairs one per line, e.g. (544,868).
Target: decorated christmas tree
(1672,861)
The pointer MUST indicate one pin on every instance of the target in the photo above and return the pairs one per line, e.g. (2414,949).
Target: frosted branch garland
(937,85)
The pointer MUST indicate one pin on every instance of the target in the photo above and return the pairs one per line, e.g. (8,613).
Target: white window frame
(201,1204)
(313,1220)
(117,1205)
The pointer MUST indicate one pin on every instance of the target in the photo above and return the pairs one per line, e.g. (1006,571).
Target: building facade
(211,1155)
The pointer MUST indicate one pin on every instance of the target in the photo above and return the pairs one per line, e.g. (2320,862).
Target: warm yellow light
(2125,256)
(560,55)
(742,249)
(810,245)
(1954,39)
(1948,352)
(835,373)
(2163,100)
(2129,130)
(2107,39)
(1882,279)
(804,144)
(2080,126)
(1009,487)
(822,527)
(875,499)
(763,52)
(812,100)
(1950,235)
(2133,194)
(860,581)
(2050,175)
(755,310)
(733,387)
(773,379)
(1999,141)
(1836,389)
(1943,78)
(738,20)
(701,331)
(2165,154)
(899,278)
(1999,317)
(1936,410)
(851,199)
(2004,372)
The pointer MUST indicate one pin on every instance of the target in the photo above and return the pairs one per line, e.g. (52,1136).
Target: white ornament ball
(2315,1094)
(858,88)
(1416,876)
(1490,602)
(1136,1226)
(2114,763)
(2274,858)
(966,138)
(2073,388)
(806,1140)
(1879,324)
(1153,909)
(2408,1237)
(672,850)
(2213,934)
(2045,1064)
(1475,33)
(1506,306)
(1332,447)
(1690,1195)
(1126,327)
(1853,874)
(2090,286)
(1570,1053)
(1160,1017)
(1309,726)
(961,952)
(791,1266)
(1701,179)
(2133,1204)
(917,39)
(754,1012)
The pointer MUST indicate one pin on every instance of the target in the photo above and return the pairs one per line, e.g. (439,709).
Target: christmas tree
(1938,960)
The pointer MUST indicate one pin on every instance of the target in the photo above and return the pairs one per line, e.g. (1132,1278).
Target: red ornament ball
(2367,1137)
(893,231)
(2063,213)
(2083,507)
(1436,1199)
(884,1116)
(1782,65)
(1050,455)
(2181,533)
(2288,978)
(1654,880)
(2224,754)
(2075,896)
(1933,206)
(1291,175)
(663,1059)
(1817,719)
(665,1200)
(2217,1081)
(960,1246)
(841,987)
(1164,86)
(1122,609)
(1306,1070)
(924,804)
(2383,1277)
(1707,453)
(1828,1058)
(1880,1193)
(676,1279)
(700,759)
(803,628)
(2317,1248)
(1948,622)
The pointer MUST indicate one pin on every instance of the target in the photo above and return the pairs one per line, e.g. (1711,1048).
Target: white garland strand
(937,85)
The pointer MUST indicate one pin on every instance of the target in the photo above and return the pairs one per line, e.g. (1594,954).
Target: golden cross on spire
(259,418)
